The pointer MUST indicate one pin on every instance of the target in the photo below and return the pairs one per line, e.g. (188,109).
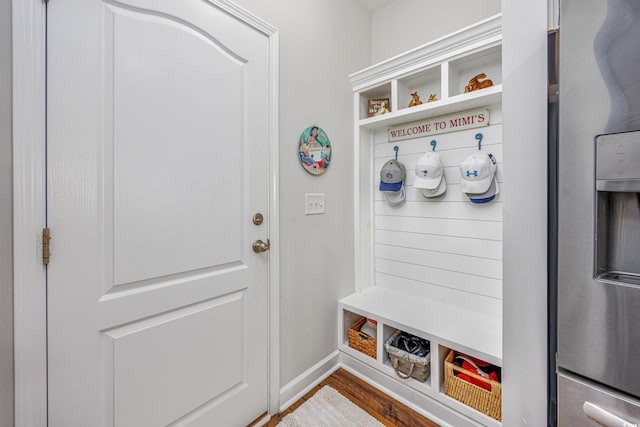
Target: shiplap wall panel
(490,249)
(459,298)
(487,230)
(491,268)
(450,279)
(459,210)
(446,247)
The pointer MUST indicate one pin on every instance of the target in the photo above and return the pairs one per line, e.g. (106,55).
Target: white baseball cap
(430,175)
(477,172)
(429,171)
(440,189)
(489,195)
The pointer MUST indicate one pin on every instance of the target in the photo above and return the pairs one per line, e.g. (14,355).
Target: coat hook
(433,145)
(479,138)
(395,148)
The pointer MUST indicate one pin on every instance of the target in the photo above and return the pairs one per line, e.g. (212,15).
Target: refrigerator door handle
(603,417)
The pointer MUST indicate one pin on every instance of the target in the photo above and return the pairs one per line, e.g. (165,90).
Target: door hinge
(46,251)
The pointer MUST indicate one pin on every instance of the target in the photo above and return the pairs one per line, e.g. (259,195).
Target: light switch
(313,203)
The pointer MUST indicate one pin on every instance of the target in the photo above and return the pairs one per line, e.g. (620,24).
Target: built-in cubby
(462,69)
(444,74)
(434,386)
(379,92)
(425,83)
(429,267)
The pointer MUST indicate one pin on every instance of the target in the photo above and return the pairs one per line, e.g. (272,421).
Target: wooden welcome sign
(435,125)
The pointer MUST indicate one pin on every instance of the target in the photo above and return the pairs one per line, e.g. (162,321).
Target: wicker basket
(485,401)
(361,341)
(405,364)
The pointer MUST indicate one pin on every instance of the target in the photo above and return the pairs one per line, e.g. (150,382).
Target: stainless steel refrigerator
(598,215)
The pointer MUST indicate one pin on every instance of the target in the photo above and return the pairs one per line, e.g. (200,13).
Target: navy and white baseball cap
(430,175)
(487,196)
(477,172)
(392,177)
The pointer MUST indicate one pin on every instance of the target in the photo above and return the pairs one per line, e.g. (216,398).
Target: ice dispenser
(617,231)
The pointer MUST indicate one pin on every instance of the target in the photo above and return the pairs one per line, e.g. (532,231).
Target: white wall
(405,24)
(321,42)
(524,103)
(6,243)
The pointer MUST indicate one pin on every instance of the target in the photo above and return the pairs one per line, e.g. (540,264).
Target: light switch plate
(313,203)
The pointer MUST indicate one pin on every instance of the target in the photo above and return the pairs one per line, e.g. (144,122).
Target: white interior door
(158,142)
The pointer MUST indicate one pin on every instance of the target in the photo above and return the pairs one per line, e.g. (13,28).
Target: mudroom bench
(429,266)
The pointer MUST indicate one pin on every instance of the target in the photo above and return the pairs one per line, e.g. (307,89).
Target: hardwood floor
(388,411)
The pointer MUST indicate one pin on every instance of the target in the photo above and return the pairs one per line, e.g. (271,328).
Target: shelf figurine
(384,108)
(432,98)
(415,99)
(378,106)
(476,84)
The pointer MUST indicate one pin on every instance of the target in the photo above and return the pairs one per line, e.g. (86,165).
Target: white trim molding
(29,52)
(245,16)
(524,271)
(274,228)
(310,378)
(485,33)
(553,14)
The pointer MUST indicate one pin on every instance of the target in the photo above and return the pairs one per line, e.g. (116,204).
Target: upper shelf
(442,69)
(466,101)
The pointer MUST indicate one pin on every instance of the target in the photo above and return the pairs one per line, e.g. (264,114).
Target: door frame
(29,208)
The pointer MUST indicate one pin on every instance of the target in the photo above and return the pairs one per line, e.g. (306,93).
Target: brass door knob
(260,246)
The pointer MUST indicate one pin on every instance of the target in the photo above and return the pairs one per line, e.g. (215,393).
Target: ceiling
(374,5)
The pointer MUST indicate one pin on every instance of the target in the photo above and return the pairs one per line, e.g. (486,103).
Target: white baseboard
(262,421)
(303,383)
(425,406)
(422,404)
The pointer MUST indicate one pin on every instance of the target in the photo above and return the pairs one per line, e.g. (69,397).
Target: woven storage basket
(361,341)
(405,364)
(485,401)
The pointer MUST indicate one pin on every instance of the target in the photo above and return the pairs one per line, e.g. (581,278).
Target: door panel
(157,152)
(149,368)
(171,158)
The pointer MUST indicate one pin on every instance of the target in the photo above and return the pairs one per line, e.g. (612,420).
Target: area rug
(328,408)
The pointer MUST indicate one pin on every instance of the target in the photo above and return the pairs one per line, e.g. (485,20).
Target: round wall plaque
(314,150)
